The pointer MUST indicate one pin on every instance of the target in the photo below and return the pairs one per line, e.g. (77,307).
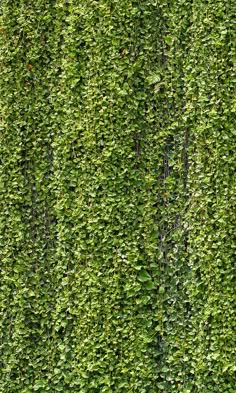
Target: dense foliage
(117,196)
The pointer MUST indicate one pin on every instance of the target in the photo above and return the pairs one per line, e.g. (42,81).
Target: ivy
(117,196)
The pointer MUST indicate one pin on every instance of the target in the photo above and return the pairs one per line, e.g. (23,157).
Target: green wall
(117,196)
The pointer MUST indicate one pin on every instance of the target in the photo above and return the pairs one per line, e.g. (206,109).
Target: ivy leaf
(39,384)
(150,285)
(144,276)
(152,79)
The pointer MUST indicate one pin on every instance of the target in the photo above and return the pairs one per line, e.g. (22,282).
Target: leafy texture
(117,196)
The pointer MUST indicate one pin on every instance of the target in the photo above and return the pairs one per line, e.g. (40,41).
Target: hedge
(117,196)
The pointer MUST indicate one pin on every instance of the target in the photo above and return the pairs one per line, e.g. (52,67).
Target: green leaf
(150,285)
(144,276)
(39,384)
(152,79)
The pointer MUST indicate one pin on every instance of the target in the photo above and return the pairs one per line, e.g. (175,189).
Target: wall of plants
(117,196)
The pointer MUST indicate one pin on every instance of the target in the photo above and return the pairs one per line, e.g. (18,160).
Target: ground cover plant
(117,196)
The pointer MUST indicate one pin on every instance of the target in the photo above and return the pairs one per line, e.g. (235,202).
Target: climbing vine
(117,196)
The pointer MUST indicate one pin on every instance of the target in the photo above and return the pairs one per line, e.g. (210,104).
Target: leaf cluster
(117,196)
